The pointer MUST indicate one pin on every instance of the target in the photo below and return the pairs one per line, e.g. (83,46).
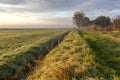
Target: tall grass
(70,60)
(107,55)
(82,55)
(113,36)
(24,50)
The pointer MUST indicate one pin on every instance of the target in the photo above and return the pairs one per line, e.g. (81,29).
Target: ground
(60,55)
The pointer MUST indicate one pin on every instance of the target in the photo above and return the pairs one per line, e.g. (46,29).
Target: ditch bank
(24,63)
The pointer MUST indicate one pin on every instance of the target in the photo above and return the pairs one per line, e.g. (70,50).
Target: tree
(102,21)
(116,23)
(79,19)
(85,21)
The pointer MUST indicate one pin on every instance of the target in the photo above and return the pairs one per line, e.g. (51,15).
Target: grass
(113,33)
(40,55)
(113,36)
(83,55)
(107,55)
(19,51)
(68,61)
(12,40)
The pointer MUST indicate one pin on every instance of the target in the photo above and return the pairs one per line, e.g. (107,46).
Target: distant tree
(79,19)
(102,21)
(85,21)
(116,23)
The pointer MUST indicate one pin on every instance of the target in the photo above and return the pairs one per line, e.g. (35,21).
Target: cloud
(12,1)
(37,6)
(59,10)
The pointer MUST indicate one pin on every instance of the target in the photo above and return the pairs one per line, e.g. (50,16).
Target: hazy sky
(52,13)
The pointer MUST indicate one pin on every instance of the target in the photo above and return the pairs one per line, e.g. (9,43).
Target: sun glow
(13,19)
(9,19)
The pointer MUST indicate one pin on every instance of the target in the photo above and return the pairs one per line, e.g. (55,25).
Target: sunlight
(12,19)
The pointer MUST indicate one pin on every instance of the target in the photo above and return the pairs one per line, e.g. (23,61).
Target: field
(59,55)
(20,48)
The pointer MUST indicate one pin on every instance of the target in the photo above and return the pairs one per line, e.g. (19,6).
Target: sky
(52,13)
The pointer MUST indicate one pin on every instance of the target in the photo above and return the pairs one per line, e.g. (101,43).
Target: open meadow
(59,55)
(20,48)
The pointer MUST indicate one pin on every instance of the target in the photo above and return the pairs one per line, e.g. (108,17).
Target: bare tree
(79,19)
(116,23)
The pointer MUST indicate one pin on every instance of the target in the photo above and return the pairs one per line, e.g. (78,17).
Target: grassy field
(59,55)
(106,53)
(20,48)
(114,36)
(83,55)
(68,61)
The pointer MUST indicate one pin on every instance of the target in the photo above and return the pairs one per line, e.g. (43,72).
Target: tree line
(80,20)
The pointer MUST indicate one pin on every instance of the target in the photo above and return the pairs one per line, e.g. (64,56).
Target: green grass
(82,55)
(12,40)
(20,48)
(70,60)
(107,55)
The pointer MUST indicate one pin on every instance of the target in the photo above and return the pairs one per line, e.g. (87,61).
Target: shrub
(116,23)
(102,21)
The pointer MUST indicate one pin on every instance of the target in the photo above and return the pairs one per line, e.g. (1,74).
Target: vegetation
(86,53)
(102,21)
(70,60)
(116,23)
(79,19)
(38,55)
(21,48)
(107,56)
(113,36)
(83,55)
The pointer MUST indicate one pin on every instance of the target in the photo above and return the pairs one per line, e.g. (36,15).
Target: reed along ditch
(24,63)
